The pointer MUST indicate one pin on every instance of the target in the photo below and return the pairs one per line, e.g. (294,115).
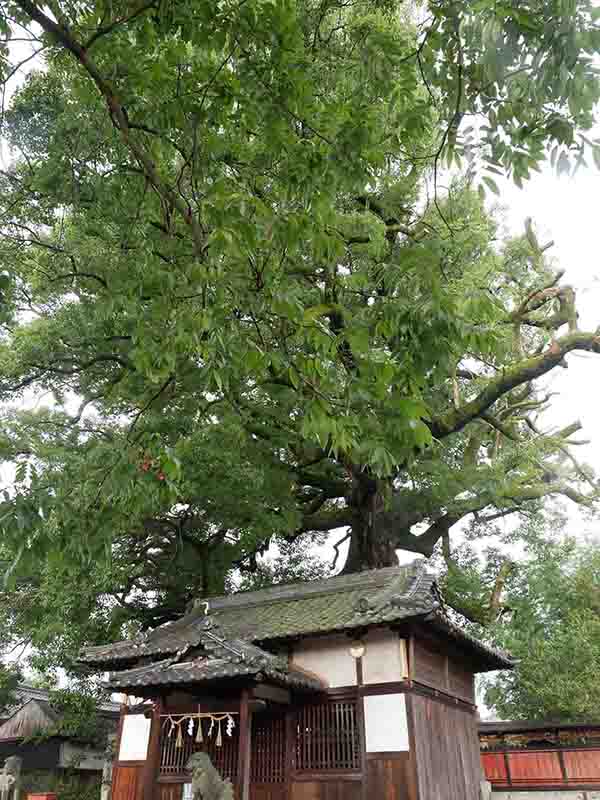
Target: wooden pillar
(360,710)
(411,658)
(563,766)
(412,770)
(152,764)
(290,750)
(507,767)
(244,748)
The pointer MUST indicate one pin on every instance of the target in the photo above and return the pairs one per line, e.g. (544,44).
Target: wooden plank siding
(541,768)
(446,749)
(326,790)
(495,767)
(126,783)
(582,766)
(429,665)
(573,768)
(170,791)
(268,791)
(391,776)
(434,667)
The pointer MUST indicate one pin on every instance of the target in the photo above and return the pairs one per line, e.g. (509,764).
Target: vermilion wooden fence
(544,768)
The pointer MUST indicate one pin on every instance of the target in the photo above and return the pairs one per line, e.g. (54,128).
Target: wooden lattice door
(268,757)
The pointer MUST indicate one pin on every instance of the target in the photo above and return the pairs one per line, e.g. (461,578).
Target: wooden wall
(317,750)
(268,791)
(429,665)
(331,789)
(446,749)
(391,776)
(170,791)
(126,782)
(432,665)
(568,768)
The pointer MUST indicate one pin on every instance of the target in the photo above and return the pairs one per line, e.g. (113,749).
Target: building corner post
(152,763)
(244,747)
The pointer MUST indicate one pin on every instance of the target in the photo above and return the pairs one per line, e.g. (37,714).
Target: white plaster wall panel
(386,723)
(384,660)
(135,735)
(328,658)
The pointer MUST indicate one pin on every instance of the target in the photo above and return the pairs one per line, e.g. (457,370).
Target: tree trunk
(370,546)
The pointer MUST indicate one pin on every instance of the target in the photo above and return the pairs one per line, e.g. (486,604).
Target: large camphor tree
(249,280)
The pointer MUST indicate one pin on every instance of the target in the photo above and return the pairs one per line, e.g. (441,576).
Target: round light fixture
(357,648)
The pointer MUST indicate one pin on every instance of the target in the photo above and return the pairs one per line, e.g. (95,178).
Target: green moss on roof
(343,602)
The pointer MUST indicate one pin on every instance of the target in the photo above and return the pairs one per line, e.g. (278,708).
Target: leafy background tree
(547,616)
(10,677)
(555,634)
(254,314)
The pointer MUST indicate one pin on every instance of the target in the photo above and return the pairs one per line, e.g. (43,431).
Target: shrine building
(353,687)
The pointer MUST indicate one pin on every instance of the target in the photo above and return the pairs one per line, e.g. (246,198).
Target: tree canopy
(248,308)
(550,622)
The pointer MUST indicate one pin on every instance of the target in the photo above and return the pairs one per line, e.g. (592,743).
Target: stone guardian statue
(10,779)
(207,784)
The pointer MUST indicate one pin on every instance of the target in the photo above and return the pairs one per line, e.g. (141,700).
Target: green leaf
(491,184)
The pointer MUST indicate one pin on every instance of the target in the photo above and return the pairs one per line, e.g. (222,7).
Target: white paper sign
(386,723)
(135,736)
(187,791)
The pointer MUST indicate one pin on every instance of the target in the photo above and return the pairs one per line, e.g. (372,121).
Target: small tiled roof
(344,602)
(215,659)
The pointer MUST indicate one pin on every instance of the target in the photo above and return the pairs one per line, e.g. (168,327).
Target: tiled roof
(344,602)
(215,659)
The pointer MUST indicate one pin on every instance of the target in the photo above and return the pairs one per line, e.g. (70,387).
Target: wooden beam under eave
(273,693)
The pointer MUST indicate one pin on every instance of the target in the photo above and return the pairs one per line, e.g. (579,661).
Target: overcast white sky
(566,210)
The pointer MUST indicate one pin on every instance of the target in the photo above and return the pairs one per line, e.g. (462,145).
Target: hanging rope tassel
(179,740)
(219,741)
(199,735)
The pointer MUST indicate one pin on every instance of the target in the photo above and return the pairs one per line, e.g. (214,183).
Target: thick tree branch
(325,521)
(523,372)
